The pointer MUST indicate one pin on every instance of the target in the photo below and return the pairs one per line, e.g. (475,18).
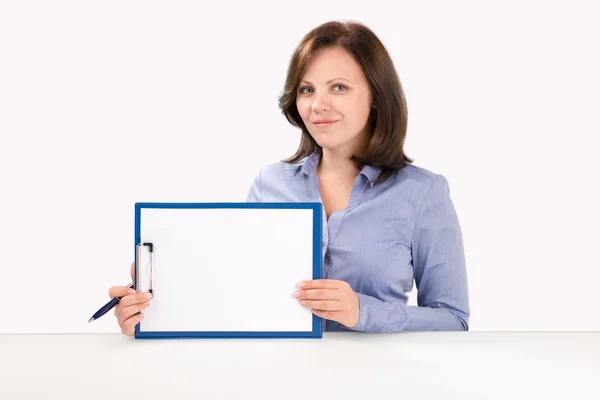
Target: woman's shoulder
(280,169)
(412,174)
(419,173)
(421,181)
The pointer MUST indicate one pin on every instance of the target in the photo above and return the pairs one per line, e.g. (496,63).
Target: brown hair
(388,118)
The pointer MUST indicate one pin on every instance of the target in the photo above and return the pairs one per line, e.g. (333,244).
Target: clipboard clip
(139,258)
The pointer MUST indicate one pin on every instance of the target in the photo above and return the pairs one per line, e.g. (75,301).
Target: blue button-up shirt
(390,233)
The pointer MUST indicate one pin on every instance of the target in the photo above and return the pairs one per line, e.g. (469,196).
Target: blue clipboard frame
(317,322)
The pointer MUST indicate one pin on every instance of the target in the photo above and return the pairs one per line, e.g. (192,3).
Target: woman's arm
(439,270)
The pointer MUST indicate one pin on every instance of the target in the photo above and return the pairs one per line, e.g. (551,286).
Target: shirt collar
(309,167)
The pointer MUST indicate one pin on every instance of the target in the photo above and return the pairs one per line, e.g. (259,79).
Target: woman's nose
(320,102)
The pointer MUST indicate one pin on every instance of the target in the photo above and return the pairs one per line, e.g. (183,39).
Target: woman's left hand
(330,299)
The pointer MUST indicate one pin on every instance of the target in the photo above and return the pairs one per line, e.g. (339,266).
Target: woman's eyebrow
(329,81)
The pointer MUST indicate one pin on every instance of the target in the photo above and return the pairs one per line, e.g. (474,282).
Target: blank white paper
(226,269)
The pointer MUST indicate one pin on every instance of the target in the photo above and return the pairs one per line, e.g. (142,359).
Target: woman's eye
(306,89)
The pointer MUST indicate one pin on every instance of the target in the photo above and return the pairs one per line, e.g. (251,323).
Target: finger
(127,312)
(321,284)
(140,297)
(128,327)
(317,294)
(131,273)
(119,307)
(326,305)
(119,291)
(325,314)
(130,300)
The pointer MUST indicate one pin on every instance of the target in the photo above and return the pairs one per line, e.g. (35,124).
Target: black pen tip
(91,319)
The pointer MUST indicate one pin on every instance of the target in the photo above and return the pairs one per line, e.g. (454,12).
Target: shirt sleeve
(439,271)
(255,192)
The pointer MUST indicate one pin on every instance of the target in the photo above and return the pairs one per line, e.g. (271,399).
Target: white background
(103,104)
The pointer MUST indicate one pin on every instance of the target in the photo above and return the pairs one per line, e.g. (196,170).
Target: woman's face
(334,88)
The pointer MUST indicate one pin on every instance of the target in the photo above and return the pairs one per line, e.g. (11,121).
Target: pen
(107,307)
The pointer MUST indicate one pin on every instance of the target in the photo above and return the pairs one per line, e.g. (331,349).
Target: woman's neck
(337,165)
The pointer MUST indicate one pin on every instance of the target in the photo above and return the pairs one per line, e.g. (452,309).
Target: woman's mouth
(324,124)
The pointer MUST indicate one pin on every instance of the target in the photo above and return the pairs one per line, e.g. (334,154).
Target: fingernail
(147,304)
(296,294)
(148,295)
(301,284)
(303,302)
(131,291)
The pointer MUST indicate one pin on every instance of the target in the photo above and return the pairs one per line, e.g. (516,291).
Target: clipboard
(227,270)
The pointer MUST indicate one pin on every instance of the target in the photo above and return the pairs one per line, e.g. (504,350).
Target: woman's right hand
(129,306)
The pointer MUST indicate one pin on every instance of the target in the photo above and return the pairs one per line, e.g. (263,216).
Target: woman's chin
(326,144)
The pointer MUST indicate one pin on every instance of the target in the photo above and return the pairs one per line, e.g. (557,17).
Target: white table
(342,365)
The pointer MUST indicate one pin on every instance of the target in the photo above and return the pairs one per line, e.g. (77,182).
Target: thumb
(132,277)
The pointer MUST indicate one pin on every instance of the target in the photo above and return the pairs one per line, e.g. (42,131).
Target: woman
(386,221)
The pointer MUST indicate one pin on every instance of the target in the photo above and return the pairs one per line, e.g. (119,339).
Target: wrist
(354,317)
